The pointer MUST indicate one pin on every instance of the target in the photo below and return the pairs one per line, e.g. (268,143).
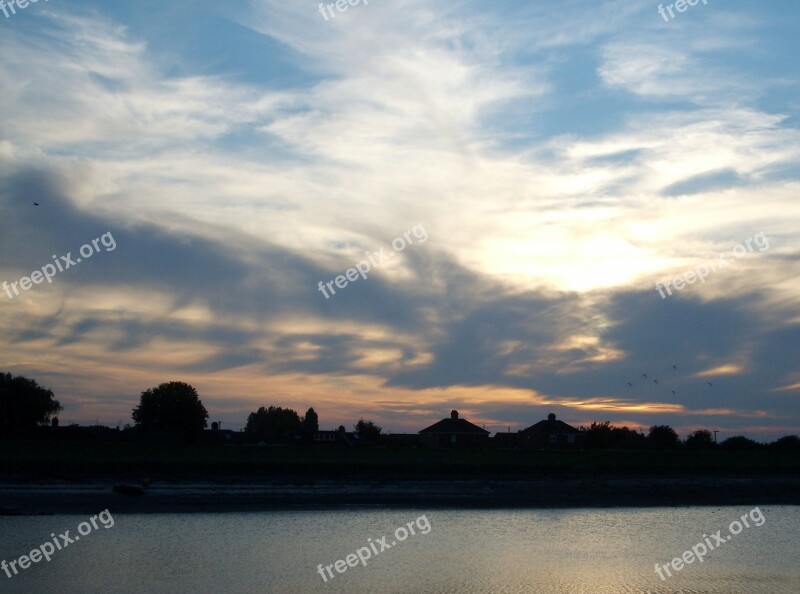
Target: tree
(311,421)
(605,435)
(702,439)
(173,405)
(368,430)
(24,403)
(787,443)
(740,442)
(274,422)
(598,435)
(663,437)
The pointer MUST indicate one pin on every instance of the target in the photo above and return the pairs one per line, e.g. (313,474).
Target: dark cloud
(476,331)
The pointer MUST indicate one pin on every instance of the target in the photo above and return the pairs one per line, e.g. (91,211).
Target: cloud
(232,191)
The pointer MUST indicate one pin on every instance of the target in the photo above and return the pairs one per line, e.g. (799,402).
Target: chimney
(551,417)
(454,415)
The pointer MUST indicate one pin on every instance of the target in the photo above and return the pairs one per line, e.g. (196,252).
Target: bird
(673,391)
(644,375)
(655,381)
(675,367)
(36,204)
(630,385)
(709,384)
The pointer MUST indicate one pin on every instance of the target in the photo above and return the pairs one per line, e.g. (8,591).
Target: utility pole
(715,436)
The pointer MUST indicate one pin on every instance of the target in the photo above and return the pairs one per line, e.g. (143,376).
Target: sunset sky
(561,157)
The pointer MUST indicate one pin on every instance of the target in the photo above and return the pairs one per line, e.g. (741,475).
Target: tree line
(663,437)
(277,423)
(171,406)
(175,406)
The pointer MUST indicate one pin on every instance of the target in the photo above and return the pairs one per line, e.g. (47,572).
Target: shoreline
(236,494)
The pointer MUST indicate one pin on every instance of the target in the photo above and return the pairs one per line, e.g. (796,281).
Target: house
(217,435)
(551,434)
(403,440)
(454,433)
(340,437)
(505,440)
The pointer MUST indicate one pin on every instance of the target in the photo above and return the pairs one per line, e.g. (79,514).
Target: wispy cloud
(560,162)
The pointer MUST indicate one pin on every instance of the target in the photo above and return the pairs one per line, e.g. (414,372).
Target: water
(465,551)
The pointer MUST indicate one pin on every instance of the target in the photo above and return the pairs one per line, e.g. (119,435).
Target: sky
(513,178)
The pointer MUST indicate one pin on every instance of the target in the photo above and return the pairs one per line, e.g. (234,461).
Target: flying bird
(655,381)
(673,391)
(36,204)
(644,375)
(630,385)
(675,367)
(709,384)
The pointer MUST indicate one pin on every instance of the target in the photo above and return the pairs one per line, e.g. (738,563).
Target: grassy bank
(71,459)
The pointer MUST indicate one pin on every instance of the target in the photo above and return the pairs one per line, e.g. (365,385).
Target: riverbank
(78,477)
(43,460)
(170,496)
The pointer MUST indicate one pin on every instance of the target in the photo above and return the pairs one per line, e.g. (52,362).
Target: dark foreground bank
(67,477)
(87,497)
(37,460)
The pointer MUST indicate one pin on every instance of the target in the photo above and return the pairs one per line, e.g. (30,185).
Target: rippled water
(469,551)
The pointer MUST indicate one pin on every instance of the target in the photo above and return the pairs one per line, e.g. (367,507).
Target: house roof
(549,426)
(454,425)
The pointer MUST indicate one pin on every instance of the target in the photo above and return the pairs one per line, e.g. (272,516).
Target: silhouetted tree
(605,435)
(740,442)
(311,421)
(663,437)
(274,422)
(368,430)
(787,443)
(172,405)
(701,439)
(24,403)
(629,438)
(598,435)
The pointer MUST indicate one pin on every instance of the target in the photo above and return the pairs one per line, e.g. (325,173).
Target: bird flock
(647,380)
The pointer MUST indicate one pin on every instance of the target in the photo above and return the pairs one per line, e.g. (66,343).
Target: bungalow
(551,434)
(402,440)
(453,433)
(341,437)
(217,435)
(503,439)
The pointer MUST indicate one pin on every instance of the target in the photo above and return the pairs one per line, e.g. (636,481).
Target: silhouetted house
(505,440)
(403,440)
(325,437)
(337,438)
(72,433)
(551,434)
(454,433)
(217,435)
